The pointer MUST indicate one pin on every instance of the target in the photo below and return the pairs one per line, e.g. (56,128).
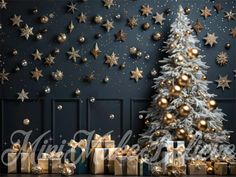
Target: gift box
(221,168)
(144,168)
(126,165)
(50,162)
(197,168)
(232,168)
(102,160)
(102,141)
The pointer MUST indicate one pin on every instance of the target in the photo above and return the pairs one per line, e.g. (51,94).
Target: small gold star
(72,7)
(16,20)
(198,26)
(89,78)
(230,15)
(36,74)
(158,18)
(22,95)
(205,12)
(210,39)
(121,36)
(82,18)
(223,82)
(146,10)
(3,4)
(37,55)
(136,74)
(111,59)
(96,51)
(132,22)
(73,54)
(49,60)
(26,32)
(108,3)
(222,58)
(233,31)
(108,25)
(4,76)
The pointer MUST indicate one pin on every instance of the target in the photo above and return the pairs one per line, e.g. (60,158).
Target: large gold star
(230,15)
(49,60)
(82,18)
(73,54)
(3,76)
(26,32)
(108,25)
(222,58)
(37,55)
(210,39)
(121,36)
(96,51)
(223,82)
(136,74)
(16,20)
(158,18)
(111,59)
(198,26)
(233,31)
(36,74)
(132,22)
(146,10)
(72,7)
(23,95)
(3,4)
(108,3)
(205,12)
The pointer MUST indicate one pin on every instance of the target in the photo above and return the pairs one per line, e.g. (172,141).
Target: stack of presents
(102,157)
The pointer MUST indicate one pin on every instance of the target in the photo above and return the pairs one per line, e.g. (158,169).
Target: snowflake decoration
(222,58)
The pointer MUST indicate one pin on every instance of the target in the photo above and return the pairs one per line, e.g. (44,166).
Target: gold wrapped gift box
(102,141)
(197,168)
(232,168)
(50,165)
(221,168)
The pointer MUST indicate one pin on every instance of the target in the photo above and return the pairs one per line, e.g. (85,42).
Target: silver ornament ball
(24,63)
(47,90)
(59,107)
(111,116)
(92,99)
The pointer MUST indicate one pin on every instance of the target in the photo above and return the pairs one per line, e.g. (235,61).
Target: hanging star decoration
(26,32)
(233,31)
(36,74)
(206,12)
(136,74)
(72,7)
(159,18)
(210,39)
(218,7)
(96,51)
(82,18)
(132,22)
(108,25)
(146,10)
(108,3)
(230,15)
(198,26)
(3,4)
(90,77)
(23,95)
(73,54)
(223,82)
(49,60)
(16,20)
(111,59)
(121,36)
(4,76)
(37,55)
(222,58)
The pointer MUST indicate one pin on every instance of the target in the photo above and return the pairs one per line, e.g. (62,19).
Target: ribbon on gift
(198,163)
(126,151)
(81,144)
(52,155)
(176,169)
(101,139)
(16,147)
(172,151)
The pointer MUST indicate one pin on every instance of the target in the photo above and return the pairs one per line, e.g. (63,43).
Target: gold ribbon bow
(81,144)
(126,151)
(16,147)
(52,155)
(176,169)
(102,138)
(68,169)
(180,149)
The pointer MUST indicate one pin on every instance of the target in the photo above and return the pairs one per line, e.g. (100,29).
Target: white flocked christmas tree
(182,107)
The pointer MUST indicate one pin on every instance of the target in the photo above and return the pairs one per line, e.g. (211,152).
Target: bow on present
(67,169)
(126,151)
(178,150)
(102,138)
(81,144)
(197,163)
(52,155)
(176,169)
(16,147)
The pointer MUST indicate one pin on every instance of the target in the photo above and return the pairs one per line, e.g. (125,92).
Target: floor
(57,175)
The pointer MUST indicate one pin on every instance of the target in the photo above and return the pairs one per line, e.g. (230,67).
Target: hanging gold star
(218,7)
(158,18)
(96,51)
(108,3)
(210,39)
(233,31)
(108,25)
(222,58)
(82,18)
(146,10)
(3,4)
(36,74)
(230,15)
(37,55)
(16,20)
(4,76)
(223,82)
(206,12)
(49,60)
(23,95)
(73,54)
(121,36)
(89,78)
(132,22)
(26,32)
(198,26)
(72,7)
(111,59)
(136,74)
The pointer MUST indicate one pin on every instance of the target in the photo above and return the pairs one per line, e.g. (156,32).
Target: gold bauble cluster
(211,104)
(184,110)
(179,59)
(193,53)
(183,80)
(168,118)
(162,102)
(175,90)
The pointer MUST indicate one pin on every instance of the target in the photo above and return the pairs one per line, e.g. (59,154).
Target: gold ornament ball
(157,133)
(187,10)
(175,90)
(98,19)
(61,38)
(210,170)
(187,33)
(196,68)
(180,133)
(26,121)
(193,53)
(204,77)
(81,39)
(211,104)
(37,170)
(202,125)
(133,50)
(156,170)
(177,35)
(146,26)
(162,84)
(147,122)
(44,19)
(172,46)
(184,110)
(162,103)
(183,80)
(190,137)
(156,36)
(168,82)
(168,118)
(180,58)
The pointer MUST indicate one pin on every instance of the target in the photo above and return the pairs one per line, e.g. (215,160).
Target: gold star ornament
(198,27)
(223,82)
(3,76)
(159,18)
(49,60)
(73,54)
(3,4)
(96,51)
(230,15)
(121,36)
(108,25)
(136,74)
(72,7)
(26,32)
(108,3)
(222,58)
(132,22)
(36,74)
(82,18)
(16,20)
(37,55)
(23,95)
(146,10)
(233,31)
(111,59)
(206,12)
(210,39)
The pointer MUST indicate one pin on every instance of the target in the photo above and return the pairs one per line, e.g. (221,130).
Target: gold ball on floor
(61,38)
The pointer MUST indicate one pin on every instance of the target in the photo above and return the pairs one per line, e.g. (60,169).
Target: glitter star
(49,60)
(111,59)
(26,32)
(205,12)
(210,39)
(3,4)
(82,18)
(73,54)
(233,31)
(198,26)
(121,36)
(222,58)
(230,15)
(89,78)
(36,74)
(37,55)
(22,95)
(108,3)
(4,76)
(16,20)
(136,74)
(223,82)
(132,22)
(146,10)
(96,51)
(158,18)
(72,7)
(108,25)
